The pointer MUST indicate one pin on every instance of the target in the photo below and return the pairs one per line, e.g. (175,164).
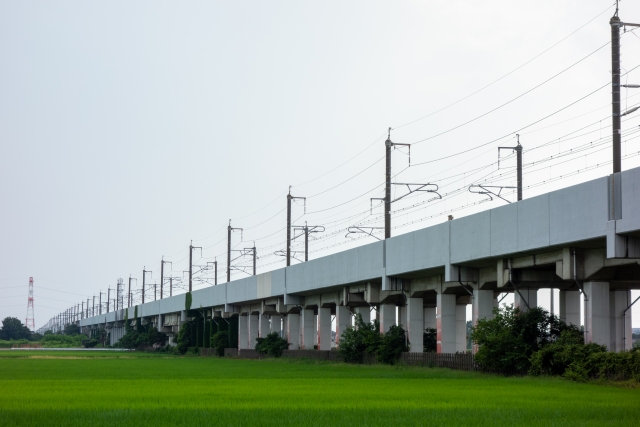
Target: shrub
(508,341)
(392,345)
(358,340)
(271,345)
(557,357)
(219,341)
(184,338)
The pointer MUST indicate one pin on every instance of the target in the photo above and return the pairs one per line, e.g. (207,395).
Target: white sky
(130,128)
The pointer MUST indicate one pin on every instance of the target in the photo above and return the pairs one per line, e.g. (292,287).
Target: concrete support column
(387,317)
(276,325)
(461,328)
(315,330)
(620,324)
(482,305)
(402,316)
(415,324)
(307,325)
(430,318)
(446,323)
(597,319)
(343,321)
(522,295)
(243,332)
(253,330)
(570,307)
(365,312)
(324,329)
(263,326)
(293,331)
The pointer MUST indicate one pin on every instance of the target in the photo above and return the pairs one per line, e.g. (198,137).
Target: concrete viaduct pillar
(293,331)
(243,332)
(387,317)
(415,324)
(446,323)
(621,338)
(276,325)
(461,328)
(570,307)
(264,328)
(597,319)
(307,325)
(343,320)
(254,323)
(324,329)
(528,295)
(365,312)
(430,317)
(482,305)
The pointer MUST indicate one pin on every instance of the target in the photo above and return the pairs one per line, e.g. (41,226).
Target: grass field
(124,389)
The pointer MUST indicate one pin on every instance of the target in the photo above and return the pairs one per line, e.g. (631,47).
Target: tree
(392,345)
(357,341)
(429,340)
(220,341)
(271,345)
(184,338)
(13,329)
(72,329)
(508,341)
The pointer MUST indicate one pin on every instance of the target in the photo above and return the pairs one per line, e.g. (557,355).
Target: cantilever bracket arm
(363,230)
(418,187)
(484,189)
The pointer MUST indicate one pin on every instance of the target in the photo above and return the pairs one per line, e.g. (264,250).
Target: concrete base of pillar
(482,305)
(276,325)
(402,316)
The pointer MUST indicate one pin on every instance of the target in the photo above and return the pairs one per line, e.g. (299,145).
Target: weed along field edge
(133,389)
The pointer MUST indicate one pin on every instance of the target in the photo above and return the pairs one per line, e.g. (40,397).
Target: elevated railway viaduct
(581,239)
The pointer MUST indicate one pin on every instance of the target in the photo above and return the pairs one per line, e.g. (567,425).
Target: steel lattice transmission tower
(31,323)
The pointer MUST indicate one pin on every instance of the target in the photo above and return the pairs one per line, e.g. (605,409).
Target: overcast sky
(130,128)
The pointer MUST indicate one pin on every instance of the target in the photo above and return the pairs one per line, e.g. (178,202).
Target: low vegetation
(365,340)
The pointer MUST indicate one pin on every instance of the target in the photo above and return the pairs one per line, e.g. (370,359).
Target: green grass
(123,389)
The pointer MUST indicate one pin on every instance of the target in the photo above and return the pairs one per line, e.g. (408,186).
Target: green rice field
(130,389)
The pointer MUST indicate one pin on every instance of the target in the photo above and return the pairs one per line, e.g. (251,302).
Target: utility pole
(387,190)
(518,150)
(162,276)
(93,307)
(289,199)
(615,88)
(100,302)
(254,258)
(308,230)
(129,293)
(229,230)
(191,248)
(108,298)
(82,312)
(144,271)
